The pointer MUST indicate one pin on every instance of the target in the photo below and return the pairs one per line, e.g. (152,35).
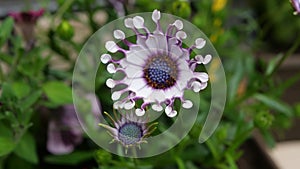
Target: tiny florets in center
(130,133)
(160,72)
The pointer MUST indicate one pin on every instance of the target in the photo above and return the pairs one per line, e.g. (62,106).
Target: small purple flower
(27,21)
(157,68)
(64,131)
(296,5)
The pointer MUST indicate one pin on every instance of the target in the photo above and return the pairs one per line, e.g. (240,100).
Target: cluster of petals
(147,64)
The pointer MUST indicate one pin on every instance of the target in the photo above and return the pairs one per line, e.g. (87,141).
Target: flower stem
(285,56)
(62,10)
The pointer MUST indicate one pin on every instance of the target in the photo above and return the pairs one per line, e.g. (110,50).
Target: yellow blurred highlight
(214,37)
(217,22)
(218,5)
(214,66)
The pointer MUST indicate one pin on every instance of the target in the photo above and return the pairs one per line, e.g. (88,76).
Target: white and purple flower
(296,5)
(129,130)
(157,68)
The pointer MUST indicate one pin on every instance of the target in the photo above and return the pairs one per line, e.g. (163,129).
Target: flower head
(64,131)
(27,21)
(296,5)
(129,130)
(27,16)
(157,68)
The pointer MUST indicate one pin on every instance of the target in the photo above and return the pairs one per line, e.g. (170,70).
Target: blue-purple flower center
(160,72)
(130,133)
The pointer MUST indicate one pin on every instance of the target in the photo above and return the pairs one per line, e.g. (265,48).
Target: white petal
(200,43)
(172,41)
(181,35)
(151,42)
(144,92)
(118,34)
(199,59)
(207,59)
(196,86)
(116,95)
(129,105)
(139,112)
(178,24)
(203,77)
(187,104)
(155,15)
(168,109)
(111,46)
(173,92)
(110,83)
(203,85)
(141,50)
(136,84)
(138,22)
(133,71)
(118,105)
(105,58)
(136,57)
(111,68)
(128,22)
(175,51)
(172,113)
(161,41)
(157,96)
(183,78)
(157,107)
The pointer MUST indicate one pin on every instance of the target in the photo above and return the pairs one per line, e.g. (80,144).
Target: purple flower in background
(26,21)
(157,68)
(64,131)
(296,5)
(118,5)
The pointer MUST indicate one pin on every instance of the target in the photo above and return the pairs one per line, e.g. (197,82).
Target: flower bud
(65,30)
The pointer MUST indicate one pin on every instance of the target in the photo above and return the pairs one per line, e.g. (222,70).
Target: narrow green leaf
(26,149)
(31,99)
(272,64)
(230,161)
(6,145)
(274,104)
(58,92)
(5,30)
(70,159)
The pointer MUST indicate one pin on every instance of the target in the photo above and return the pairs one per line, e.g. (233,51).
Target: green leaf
(6,58)
(272,64)
(5,30)
(58,93)
(21,89)
(6,145)
(274,104)
(71,159)
(31,99)
(26,149)
(7,92)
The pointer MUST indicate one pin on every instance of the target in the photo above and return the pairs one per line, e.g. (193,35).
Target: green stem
(285,56)
(2,78)
(62,10)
